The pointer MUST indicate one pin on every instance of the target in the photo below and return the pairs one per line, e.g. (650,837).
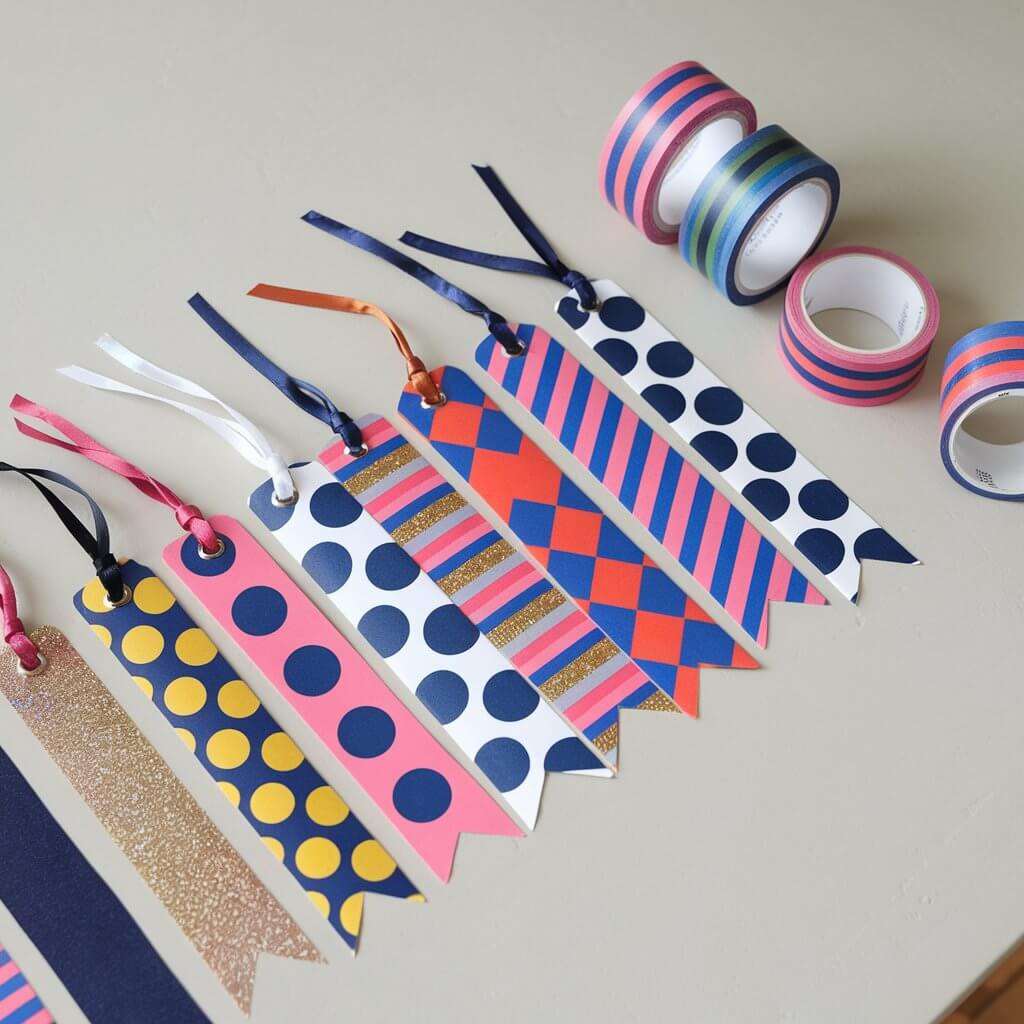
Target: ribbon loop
(13,629)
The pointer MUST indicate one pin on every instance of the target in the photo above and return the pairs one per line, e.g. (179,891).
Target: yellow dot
(352,913)
(317,857)
(152,596)
(184,695)
(236,699)
(319,900)
(280,753)
(187,738)
(371,861)
(142,644)
(274,846)
(416,897)
(104,634)
(93,596)
(227,748)
(194,647)
(325,807)
(272,803)
(231,792)
(144,685)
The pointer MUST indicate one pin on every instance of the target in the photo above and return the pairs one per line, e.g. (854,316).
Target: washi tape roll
(984,366)
(759,211)
(872,281)
(664,141)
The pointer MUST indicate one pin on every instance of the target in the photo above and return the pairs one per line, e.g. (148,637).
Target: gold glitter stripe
(383,467)
(428,517)
(522,620)
(579,668)
(607,740)
(658,702)
(215,897)
(483,562)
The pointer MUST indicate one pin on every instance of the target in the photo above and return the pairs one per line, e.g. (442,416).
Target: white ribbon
(235,429)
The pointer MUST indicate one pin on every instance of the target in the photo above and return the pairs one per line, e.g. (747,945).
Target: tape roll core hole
(888,305)
(690,166)
(994,465)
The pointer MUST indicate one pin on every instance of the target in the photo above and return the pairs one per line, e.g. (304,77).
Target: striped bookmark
(19,1002)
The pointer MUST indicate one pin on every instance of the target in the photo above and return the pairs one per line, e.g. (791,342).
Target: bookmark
(426,794)
(493,715)
(216,899)
(806,507)
(19,1001)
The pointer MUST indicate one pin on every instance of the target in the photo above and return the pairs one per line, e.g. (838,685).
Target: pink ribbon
(14,632)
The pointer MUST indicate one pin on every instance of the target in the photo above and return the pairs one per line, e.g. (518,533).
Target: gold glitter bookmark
(219,903)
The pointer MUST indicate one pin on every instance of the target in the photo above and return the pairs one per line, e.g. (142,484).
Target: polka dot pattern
(813,513)
(258,767)
(491,712)
(337,694)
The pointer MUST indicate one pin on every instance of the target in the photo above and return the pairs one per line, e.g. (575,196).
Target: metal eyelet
(29,672)
(208,556)
(126,596)
(356,453)
(514,355)
(442,399)
(284,502)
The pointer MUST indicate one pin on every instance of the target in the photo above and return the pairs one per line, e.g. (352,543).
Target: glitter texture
(214,896)
(522,620)
(475,567)
(428,517)
(607,740)
(589,661)
(382,468)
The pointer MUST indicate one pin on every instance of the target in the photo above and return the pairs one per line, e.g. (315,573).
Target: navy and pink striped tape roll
(872,281)
(984,366)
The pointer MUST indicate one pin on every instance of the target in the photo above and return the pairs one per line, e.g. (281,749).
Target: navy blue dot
(259,611)
(272,516)
(666,399)
(386,628)
(718,405)
(570,310)
(670,359)
(444,694)
(878,544)
(504,761)
(718,448)
(329,564)
(771,453)
(366,732)
(312,670)
(331,505)
(509,697)
(622,313)
(821,499)
(822,547)
(388,567)
(199,566)
(769,497)
(422,795)
(618,354)
(448,631)
(571,754)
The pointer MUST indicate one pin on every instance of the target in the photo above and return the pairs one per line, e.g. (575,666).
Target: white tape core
(868,284)
(998,468)
(691,164)
(782,236)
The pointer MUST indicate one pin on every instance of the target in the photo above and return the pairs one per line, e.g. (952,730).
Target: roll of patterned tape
(666,138)
(872,281)
(984,366)
(758,212)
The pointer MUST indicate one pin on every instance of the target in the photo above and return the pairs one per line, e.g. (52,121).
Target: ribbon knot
(18,641)
(580,284)
(503,333)
(190,518)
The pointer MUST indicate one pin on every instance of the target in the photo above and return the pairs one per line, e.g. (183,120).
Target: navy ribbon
(83,931)
(96,547)
(308,397)
(552,266)
(496,324)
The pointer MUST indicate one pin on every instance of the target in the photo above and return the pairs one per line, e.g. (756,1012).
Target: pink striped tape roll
(871,281)
(670,133)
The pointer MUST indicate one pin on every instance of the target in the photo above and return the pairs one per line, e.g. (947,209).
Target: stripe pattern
(19,1003)
(728,205)
(804,505)
(257,766)
(636,604)
(681,508)
(983,364)
(659,120)
(553,644)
